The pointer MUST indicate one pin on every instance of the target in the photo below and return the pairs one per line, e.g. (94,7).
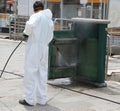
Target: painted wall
(70,11)
(114,13)
(25,7)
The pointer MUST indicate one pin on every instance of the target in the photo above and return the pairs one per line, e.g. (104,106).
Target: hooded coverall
(39,28)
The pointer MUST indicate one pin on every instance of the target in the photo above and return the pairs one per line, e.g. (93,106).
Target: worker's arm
(25,36)
(30,25)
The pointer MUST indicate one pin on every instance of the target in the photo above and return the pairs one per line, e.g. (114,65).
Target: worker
(39,29)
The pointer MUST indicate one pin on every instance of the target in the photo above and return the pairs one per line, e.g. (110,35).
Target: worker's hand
(53,40)
(25,37)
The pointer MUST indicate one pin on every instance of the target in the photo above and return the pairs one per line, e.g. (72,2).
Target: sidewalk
(71,97)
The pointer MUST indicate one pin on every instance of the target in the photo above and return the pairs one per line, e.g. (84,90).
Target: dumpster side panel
(87,67)
(102,52)
(87,35)
(92,51)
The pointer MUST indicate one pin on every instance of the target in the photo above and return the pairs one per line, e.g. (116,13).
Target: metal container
(80,52)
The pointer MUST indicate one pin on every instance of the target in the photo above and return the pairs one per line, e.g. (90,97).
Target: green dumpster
(80,52)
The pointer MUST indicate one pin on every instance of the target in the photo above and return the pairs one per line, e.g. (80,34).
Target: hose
(9,58)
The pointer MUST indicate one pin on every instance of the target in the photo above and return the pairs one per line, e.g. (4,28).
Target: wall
(114,13)
(25,7)
(70,11)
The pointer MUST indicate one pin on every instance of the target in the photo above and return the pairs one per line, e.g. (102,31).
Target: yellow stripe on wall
(4,16)
(98,1)
(89,1)
(53,0)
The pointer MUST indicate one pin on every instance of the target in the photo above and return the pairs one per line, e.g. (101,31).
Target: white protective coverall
(39,28)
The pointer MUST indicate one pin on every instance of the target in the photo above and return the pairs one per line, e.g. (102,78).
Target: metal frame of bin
(62,54)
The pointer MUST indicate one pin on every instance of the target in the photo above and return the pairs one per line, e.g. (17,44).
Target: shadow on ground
(41,108)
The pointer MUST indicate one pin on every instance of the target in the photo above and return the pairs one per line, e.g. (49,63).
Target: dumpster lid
(89,20)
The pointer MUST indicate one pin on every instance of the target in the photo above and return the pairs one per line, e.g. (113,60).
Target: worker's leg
(42,87)
(30,85)
(42,78)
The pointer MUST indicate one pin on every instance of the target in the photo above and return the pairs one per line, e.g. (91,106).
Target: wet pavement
(62,95)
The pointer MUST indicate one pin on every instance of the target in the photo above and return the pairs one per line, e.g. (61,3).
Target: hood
(48,13)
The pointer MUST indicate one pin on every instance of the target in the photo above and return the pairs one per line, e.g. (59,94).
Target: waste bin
(80,52)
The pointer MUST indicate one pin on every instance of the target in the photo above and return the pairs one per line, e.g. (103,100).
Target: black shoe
(23,102)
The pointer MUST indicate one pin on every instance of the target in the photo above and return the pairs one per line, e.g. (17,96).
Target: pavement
(62,94)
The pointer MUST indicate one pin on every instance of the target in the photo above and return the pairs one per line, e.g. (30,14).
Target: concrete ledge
(4,35)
